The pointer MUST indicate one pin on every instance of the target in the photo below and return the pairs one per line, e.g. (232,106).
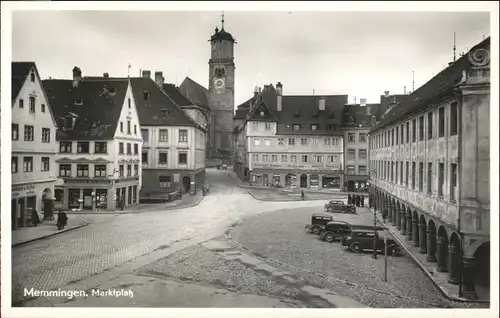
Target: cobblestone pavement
(115,240)
(280,238)
(280,195)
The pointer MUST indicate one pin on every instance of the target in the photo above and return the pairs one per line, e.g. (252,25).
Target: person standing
(358,199)
(35,219)
(349,199)
(362,201)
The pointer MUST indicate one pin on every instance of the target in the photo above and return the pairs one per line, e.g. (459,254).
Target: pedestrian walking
(370,201)
(363,201)
(358,199)
(62,220)
(349,199)
(302,194)
(35,219)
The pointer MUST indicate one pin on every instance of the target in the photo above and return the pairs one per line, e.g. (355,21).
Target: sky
(361,54)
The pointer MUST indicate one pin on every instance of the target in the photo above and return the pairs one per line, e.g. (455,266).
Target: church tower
(221,90)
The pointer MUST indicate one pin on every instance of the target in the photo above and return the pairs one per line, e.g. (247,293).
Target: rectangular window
(136,170)
(362,153)
(267,142)
(402,134)
(145,135)
(32,77)
(121,149)
(45,163)
(183,158)
(453,181)
(362,170)
(303,141)
(163,135)
(429,125)
(401,174)
(421,176)
(413,168)
(15,131)
(129,127)
(100,171)
(129,170)
(82,170)
(319,158)
(121,127)
(351,154)
(163,158)
(14,167)
(429,178)
(28,164)
(65,170)
(351,170)
(407,174)
(441,180)
(183,135)
(129,148)
(407,132)
(453,119)
(281,141)
(45,135)
(305,158)
(362,137)
(129,103)
(267,126)
(296,127)
(421,128)
(391,166)
(165,182)
(397,135)
(135,130)
(284,158)
(265,158)
(136,149)
(83,147)
(351,138)
(256,142)
(291,141)
(392,137)
(441,121)
(293,158)
(145,156)
(28,132)
(121,170)
(255,158)
(32,104)
(414,130)
(274,158)
(100,147)
(21,103)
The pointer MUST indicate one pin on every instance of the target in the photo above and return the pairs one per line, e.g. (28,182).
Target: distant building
(431,162)
(173,155)
(292,141)
(34,146)
(100,142)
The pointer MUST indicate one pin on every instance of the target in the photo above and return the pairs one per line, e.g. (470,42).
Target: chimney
(373,120)
(256,90)
(159,78)
(105,75)
(146,74)
(386,94)
(279,96)
(362,102)
(321,103)
(77,76)
(368,109)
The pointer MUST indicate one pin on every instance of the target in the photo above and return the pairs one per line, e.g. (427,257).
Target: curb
(443,291)
(50,235)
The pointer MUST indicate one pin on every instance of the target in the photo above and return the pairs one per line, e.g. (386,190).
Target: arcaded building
(430,170)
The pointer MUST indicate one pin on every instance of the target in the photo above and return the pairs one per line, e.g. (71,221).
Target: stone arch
(398,215)
(482,270)
(431,242)
(409,224)
(415,231)
(422,229)
(290,180)
(442,249)
(303,180)
(403,219)
(454,257)
(394,212)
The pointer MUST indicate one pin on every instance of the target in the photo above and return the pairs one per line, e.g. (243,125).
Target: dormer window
(296,113)
(32,75)
(262,113)
(112,90)
(296,127)
(78,102)
(145,95)
(68,123)
(314,127)
(332,115)
(163,113)
(330,127)
(351,120)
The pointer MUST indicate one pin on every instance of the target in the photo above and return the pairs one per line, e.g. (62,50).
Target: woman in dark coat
(62,220)
(358,199)
(349,199)
(34,218)
(362,200)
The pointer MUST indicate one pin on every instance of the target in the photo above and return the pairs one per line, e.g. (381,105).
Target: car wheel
(356,248)
(329,237)
(315,230)
(394,251)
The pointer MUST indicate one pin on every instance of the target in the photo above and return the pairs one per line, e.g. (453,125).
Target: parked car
(224,167)
(361,240)
(336,230)
(336,206)
(318,220)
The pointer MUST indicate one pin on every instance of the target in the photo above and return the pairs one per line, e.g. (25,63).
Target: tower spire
(222,20)
(413,82)
(454,48)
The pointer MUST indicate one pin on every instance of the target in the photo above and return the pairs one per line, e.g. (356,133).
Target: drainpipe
(459,96)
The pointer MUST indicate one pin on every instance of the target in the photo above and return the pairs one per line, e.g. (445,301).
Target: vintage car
(223,167)
(361,240)
(336,230)
(318,220)
(337,206)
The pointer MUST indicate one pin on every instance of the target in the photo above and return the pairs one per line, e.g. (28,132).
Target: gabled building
(294,141)
(431,162)
(34,146)
(173,156)
(100,142)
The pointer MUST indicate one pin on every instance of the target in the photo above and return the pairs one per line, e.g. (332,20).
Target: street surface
(188,258)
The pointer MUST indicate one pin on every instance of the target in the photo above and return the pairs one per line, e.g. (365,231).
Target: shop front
(29,197)
(357,183)
(331,182)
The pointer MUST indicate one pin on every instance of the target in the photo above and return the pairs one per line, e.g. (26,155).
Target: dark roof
(440,84)
(222,35)
(244,108)
(20,71)
(194,92)
(360,115)
(388,102)
(150,110)
(174,93)
(99,112)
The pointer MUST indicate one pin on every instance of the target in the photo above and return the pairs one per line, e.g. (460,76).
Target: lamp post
(374,256)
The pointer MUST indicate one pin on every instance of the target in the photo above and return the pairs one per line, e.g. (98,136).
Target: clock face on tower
(219,83)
